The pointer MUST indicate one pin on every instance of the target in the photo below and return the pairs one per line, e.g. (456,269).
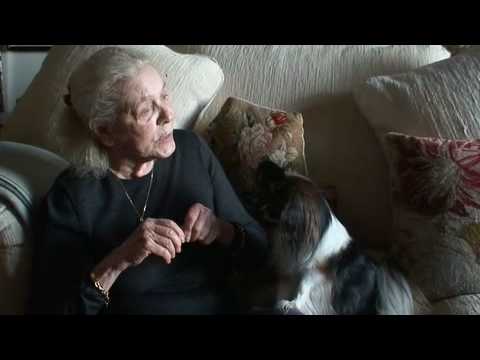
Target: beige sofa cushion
(192,82)
(317,81)
(441,100)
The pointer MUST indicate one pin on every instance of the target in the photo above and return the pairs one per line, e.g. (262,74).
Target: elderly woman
(145,221)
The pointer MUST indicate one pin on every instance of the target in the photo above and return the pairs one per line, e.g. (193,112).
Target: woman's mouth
(165,138)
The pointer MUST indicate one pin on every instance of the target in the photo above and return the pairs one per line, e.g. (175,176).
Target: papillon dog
(317,267)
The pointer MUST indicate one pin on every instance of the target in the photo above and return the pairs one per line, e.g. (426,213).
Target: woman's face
(145,131)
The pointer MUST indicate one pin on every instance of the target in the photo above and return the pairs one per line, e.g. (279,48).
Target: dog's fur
(315,265)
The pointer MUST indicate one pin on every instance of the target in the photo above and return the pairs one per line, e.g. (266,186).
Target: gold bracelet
(100,288)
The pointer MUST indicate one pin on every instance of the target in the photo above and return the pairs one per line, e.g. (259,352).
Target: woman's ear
(104,135)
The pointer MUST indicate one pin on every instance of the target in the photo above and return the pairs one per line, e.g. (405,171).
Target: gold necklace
(141,218)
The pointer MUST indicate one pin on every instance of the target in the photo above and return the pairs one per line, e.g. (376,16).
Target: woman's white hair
(95,99)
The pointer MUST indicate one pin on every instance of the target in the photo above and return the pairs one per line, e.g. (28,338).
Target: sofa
(333,87)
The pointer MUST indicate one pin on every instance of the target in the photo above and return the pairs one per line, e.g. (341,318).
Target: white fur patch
(314,296)
(334,240)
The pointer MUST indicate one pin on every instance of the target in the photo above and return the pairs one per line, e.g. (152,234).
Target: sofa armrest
(26,174)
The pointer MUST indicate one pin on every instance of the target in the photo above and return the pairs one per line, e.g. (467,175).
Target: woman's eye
(145,112)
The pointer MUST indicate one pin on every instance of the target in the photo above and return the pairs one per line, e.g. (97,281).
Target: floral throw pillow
(436,199)
(243,134)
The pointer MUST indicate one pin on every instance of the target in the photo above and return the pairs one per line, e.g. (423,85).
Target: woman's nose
(166,114)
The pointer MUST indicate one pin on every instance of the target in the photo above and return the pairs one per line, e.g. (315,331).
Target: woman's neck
(127,170)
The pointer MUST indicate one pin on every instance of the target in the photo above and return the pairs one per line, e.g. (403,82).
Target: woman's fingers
(200,225)
(160,251)
(172,225)
(190,221)
(161,229)
(210,238)
(196,221)
(166,243)
(200,230)
(165,237)
(210,233)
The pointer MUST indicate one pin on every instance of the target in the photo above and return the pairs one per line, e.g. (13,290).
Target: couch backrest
(317,80)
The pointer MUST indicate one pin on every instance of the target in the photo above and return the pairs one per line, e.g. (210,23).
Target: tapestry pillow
(436,204)
(243,134)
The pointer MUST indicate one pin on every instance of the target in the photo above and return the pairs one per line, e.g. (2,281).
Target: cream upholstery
(436,100)
(317,81)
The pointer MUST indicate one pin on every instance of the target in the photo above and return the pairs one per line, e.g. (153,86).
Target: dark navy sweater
(86,218)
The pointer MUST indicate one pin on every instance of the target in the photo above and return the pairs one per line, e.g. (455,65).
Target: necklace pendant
(141,218)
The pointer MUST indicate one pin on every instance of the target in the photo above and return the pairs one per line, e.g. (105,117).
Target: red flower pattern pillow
(436,202)
(243,134)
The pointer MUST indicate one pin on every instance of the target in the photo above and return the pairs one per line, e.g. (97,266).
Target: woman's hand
(158,237)
(202,226)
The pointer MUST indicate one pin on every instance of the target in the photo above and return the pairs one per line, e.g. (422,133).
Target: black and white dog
(319,269)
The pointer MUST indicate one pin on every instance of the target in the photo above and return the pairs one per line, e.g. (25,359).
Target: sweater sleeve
(229,208)
(62,264)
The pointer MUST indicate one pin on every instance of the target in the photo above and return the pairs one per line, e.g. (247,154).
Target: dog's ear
(269,176)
